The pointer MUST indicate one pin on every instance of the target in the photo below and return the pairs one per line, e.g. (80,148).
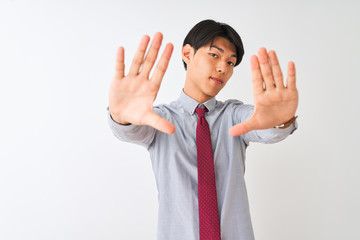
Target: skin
(209,69)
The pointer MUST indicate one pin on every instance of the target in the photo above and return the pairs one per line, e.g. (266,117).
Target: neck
(195,97)
(192,91)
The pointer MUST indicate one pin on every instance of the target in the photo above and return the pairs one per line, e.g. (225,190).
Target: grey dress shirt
(174,164)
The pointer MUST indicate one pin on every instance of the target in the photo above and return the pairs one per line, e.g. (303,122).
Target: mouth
(216,80)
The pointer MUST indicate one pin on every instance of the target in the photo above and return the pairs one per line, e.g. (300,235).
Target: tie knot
(201,111)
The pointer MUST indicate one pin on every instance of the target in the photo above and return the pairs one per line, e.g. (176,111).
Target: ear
(187,53)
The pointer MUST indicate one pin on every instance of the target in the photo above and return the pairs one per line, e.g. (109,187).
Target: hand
(131,97)
(275,103)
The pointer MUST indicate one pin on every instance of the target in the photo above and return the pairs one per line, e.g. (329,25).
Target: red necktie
(209,223)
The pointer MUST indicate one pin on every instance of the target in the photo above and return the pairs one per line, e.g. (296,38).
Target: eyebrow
(222,50)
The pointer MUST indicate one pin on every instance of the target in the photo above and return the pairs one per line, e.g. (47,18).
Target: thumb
(238,129)
(242,128)
(159,123)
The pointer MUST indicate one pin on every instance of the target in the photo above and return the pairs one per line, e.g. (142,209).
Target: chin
(212,94)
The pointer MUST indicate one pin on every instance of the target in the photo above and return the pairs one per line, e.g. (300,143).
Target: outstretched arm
(275,103)
(131,97)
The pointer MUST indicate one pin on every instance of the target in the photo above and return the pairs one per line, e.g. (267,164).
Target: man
(202,193)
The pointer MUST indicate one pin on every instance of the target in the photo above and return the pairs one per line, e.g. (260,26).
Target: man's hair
(206,31)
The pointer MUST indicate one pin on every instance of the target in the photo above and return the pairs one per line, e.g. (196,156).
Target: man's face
(209,69)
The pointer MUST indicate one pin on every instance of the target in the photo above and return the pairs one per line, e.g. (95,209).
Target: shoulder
(167,106)
(233,102)
(230,104)
(235,109)
(167,110)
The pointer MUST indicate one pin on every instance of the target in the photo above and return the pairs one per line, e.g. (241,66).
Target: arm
(271,135)
(275,103)
(138,134)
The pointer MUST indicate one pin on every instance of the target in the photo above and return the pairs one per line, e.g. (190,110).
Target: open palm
(275,103)
(131,97)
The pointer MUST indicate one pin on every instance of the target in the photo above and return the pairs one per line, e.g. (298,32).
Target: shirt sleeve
(138,134)
(243,112)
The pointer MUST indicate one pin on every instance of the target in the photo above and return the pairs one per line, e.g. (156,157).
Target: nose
(221,67)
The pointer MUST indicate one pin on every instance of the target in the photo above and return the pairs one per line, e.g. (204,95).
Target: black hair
(207,30)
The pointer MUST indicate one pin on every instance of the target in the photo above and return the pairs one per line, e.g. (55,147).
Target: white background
(63,175)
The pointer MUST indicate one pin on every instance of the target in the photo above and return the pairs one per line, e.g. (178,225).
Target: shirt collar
(190,104)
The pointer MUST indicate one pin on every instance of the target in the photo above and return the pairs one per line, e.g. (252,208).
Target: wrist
(118,121)
(287,123)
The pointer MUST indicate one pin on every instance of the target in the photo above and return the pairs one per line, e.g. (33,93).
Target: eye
(231,63)
(213,55)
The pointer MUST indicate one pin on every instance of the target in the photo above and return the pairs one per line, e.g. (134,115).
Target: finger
(163,64)
(120,65)
(151,55)
(266,69)
(139,55)
(257,79)
(242,128)
(276,70)
(291,77)
(159,123)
